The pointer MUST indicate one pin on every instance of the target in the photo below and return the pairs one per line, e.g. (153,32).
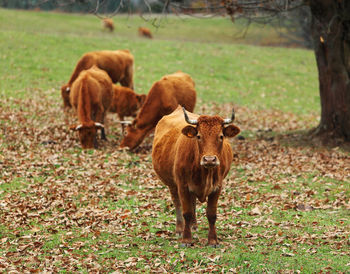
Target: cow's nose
(210,161)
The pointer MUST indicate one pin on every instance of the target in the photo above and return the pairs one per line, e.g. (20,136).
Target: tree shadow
(305,138)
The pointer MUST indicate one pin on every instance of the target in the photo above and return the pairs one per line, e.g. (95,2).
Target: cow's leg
(194,219)
(121,118)
(176,201)
(187,212)
(100,115)
(211,215)
(103,134)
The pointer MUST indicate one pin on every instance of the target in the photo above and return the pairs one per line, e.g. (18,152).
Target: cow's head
(210,132)
(134,104)
(141,98)
(87,133)
(65,90)
(133,136)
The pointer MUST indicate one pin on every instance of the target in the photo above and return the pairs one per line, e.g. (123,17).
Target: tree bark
(331,34)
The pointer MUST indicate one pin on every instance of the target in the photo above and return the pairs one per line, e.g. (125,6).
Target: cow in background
(163,98)
(191,155)
(125,102)
(91,96)
(145,32)
(118,64)
(108,24)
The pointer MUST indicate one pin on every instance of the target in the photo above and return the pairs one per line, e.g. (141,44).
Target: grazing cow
(192,156)
(108,24)
(145,32)
(118,64)
(91,96)
(163,98)
(125,102)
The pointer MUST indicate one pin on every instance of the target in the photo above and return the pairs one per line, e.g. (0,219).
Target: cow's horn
(99,125)
(79,127)
(125,122)
(230,120)
(188,120)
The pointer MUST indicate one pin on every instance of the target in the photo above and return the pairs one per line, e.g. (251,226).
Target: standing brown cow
(91,96)
(192,157)
(163,98)
(118,64)
(145,32)
(108,24)
(125,102)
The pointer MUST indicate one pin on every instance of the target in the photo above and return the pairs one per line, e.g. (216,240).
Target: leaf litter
(105,210)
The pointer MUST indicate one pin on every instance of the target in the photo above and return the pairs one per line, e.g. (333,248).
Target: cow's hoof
(186,242)
(186,245)
(179,229)
(214,245)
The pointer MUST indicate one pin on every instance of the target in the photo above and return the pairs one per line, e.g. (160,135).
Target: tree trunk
(331,34)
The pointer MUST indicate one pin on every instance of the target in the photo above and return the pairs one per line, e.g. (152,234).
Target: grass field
(285,207)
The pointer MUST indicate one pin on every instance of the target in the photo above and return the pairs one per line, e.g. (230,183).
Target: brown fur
(91,96)
(108,24)
(163,98)
(145,32)
(118,64)
(125,102)
(179,159)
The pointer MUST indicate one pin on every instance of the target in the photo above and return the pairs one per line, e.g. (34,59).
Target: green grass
(62,209)
(42,55)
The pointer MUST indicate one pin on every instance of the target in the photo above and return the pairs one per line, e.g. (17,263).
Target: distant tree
(295,26)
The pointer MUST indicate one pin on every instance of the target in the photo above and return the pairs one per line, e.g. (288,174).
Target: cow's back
(105,89)
(98,88)
(113,62)
(167,137)
(178,88)
(164,97)
(110,62)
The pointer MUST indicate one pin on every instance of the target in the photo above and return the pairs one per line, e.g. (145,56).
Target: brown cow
(163,98)
(91,96)
(125,102)
(192,156)
(108,24)
(118,64)
(145,32)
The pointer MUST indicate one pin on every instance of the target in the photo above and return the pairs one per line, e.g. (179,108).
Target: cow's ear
(72,127)
(189,131)
(141,98)
(76,127)
(231,131)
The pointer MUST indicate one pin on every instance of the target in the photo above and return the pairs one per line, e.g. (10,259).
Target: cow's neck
(84,104)
(208,182)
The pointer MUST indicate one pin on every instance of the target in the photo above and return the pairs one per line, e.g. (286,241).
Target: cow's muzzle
(210,161)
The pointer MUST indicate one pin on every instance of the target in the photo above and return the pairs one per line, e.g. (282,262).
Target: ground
(103,210)
(285,204)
